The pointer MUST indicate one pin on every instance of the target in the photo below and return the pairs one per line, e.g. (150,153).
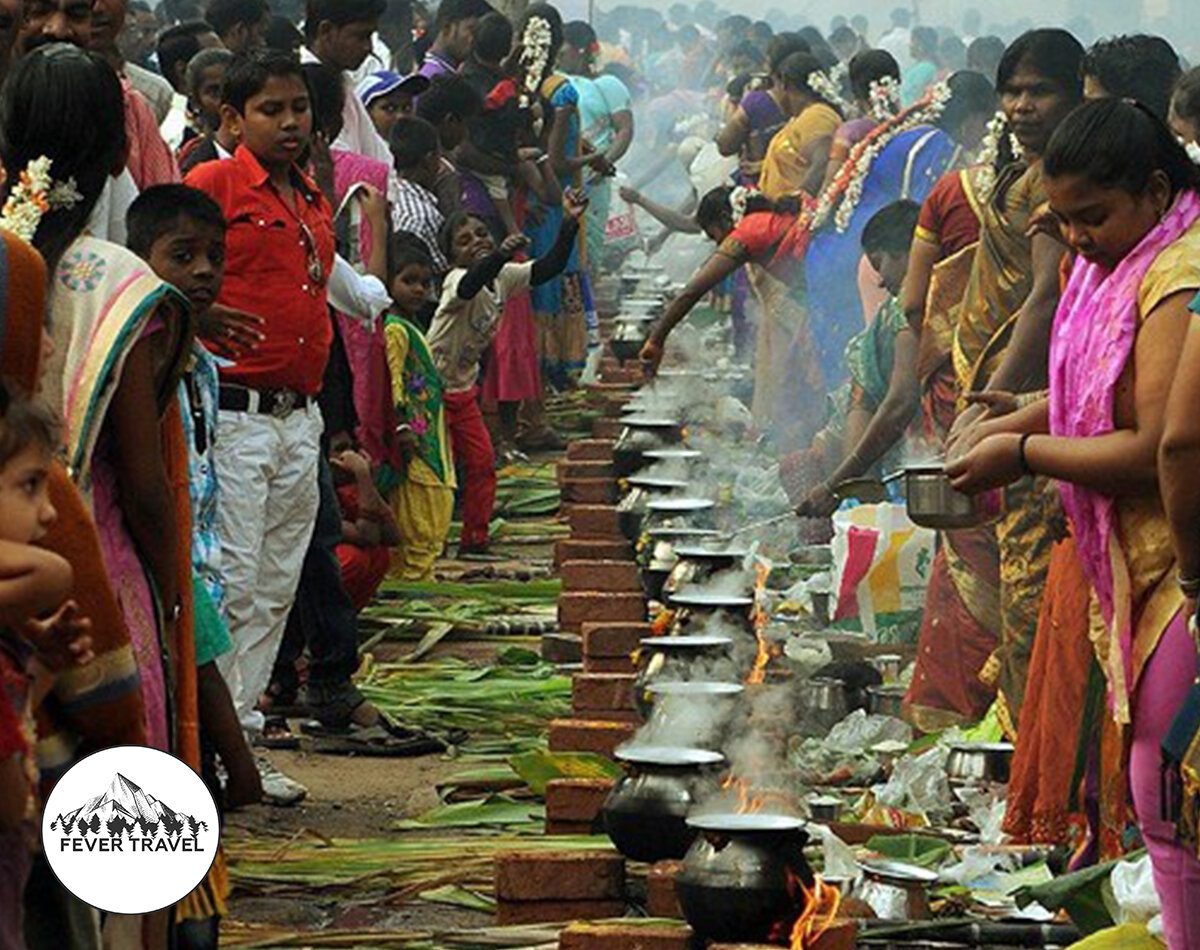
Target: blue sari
(908,167)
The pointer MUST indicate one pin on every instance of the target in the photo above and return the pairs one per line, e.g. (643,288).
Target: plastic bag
(881,571)
(1133,893)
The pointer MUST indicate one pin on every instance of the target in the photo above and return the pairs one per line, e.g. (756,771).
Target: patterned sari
(1001,279)
(961,622)
(907,167)
(103,302)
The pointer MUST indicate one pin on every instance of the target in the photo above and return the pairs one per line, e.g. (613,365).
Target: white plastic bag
(1132,884)
(881,571)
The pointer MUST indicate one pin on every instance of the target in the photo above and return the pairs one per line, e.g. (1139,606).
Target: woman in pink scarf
(1125,196)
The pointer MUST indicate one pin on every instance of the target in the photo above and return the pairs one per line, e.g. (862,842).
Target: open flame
(758,672)
(751,801)
(820,904)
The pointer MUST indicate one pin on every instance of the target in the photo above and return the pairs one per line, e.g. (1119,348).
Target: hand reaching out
(575,203)
(373,202)
(63,639)
(513,244)
(629,195)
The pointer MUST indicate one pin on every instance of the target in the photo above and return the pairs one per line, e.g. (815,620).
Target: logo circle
(130,830)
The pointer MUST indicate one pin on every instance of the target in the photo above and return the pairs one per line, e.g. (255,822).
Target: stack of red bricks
(540,887)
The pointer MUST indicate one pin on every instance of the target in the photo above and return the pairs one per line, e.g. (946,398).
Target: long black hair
(1186,97)
(795,71)
(1117,143)
(1053,53)
(870,66)
(66,104)
(543,11)
(970,94)
(714,209)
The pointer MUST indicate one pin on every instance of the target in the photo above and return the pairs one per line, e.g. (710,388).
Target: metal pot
(933,503)
(739,879)
(825,808)
(673,659)
(974,763)
(886,700)
(678,512)
(645,814)
(912,880)
(642,432)
(695,603)
(631,512)
(626,347)
(821,704)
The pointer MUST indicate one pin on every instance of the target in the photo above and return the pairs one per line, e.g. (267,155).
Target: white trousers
(267,507)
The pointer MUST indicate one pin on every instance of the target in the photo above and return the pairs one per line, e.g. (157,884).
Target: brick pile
(544,887)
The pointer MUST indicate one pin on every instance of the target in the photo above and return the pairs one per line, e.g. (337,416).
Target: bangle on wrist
(1022,458)
(1190,586)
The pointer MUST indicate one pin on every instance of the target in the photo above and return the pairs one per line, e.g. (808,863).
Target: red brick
(613,577)
(576,799)
(583,735)
(513,913)
(608,664)
(574,829)
(602,692)
(592,549)
(560,876)
(590,450)
(619,935)
(561,648)
(576,608)
(589,491)
(609,715)
(842,935)
(606,428)
(661,900)
(584,468)
(621,376)
(595,521)
(613,639)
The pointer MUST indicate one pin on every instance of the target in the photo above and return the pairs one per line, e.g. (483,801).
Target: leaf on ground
(540,767)
(493,810)
(459,896)
(920,850)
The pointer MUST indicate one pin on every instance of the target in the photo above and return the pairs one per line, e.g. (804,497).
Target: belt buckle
(283,402)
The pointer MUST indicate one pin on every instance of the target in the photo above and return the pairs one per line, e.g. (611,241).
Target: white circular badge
(130,830)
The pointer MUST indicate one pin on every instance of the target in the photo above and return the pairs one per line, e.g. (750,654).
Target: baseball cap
(386,82)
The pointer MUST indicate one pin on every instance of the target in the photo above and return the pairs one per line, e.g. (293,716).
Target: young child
(369,530)
(482,278)
(180,232)
(423,493)
(35,582)
(214,139)
(389,96)
(417,155)
(492,135)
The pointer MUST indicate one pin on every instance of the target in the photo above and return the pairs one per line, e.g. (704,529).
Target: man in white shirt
(898,40)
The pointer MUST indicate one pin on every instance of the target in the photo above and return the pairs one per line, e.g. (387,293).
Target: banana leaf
(458,896)
(493,810)
(1085,895)
(921,850)
(540,767)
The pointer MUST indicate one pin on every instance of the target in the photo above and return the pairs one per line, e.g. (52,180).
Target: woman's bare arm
(1179,456)
(915,293)
(732,138)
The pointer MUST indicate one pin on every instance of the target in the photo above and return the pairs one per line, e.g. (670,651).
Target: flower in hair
(34,194)
(827,89)
(738,199)
(535,54)
(1193,151)
(884,97)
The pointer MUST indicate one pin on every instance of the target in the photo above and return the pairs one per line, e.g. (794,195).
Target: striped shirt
(415,209)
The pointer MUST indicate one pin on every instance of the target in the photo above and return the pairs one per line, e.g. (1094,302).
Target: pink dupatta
(1091,344)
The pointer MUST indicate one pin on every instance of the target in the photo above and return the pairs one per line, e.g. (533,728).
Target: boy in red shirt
(280,248)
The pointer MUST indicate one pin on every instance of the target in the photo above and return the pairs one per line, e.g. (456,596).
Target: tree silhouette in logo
(94,827)
(83,827)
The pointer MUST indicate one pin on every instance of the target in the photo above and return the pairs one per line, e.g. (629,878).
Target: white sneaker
(278,789)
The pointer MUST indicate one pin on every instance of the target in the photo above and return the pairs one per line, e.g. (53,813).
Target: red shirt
(269,264)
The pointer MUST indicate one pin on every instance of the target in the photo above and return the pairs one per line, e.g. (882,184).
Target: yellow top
(786,163)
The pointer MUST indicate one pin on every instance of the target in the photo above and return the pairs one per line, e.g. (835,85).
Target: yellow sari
(786,163)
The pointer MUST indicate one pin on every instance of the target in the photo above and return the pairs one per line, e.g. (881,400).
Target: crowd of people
(281,286)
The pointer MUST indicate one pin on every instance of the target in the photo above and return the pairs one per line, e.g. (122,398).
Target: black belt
(268,402)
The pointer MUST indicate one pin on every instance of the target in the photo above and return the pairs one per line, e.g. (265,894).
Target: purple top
(436,65)
(766,119)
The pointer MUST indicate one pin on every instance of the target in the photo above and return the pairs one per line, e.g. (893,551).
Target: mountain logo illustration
(130,829)
(131,818)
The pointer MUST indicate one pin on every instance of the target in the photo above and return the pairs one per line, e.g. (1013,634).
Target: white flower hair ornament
(535,54)
(34,194)
(883,96)
(739,197)
(827,89)
(1193,151)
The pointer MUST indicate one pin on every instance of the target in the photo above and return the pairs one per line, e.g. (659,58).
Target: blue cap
(386,82)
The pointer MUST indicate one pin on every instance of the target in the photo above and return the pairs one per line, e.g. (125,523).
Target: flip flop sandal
(277,735)
(374,741)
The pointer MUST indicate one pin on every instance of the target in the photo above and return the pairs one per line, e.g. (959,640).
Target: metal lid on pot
(638,421)
(897,872)
(676,532)
(698,641)
(677,505)
(745,823)
(673,453)
(650,481)
(999,747)
(679,756)
(699,552)
(689,597)
(694,688)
